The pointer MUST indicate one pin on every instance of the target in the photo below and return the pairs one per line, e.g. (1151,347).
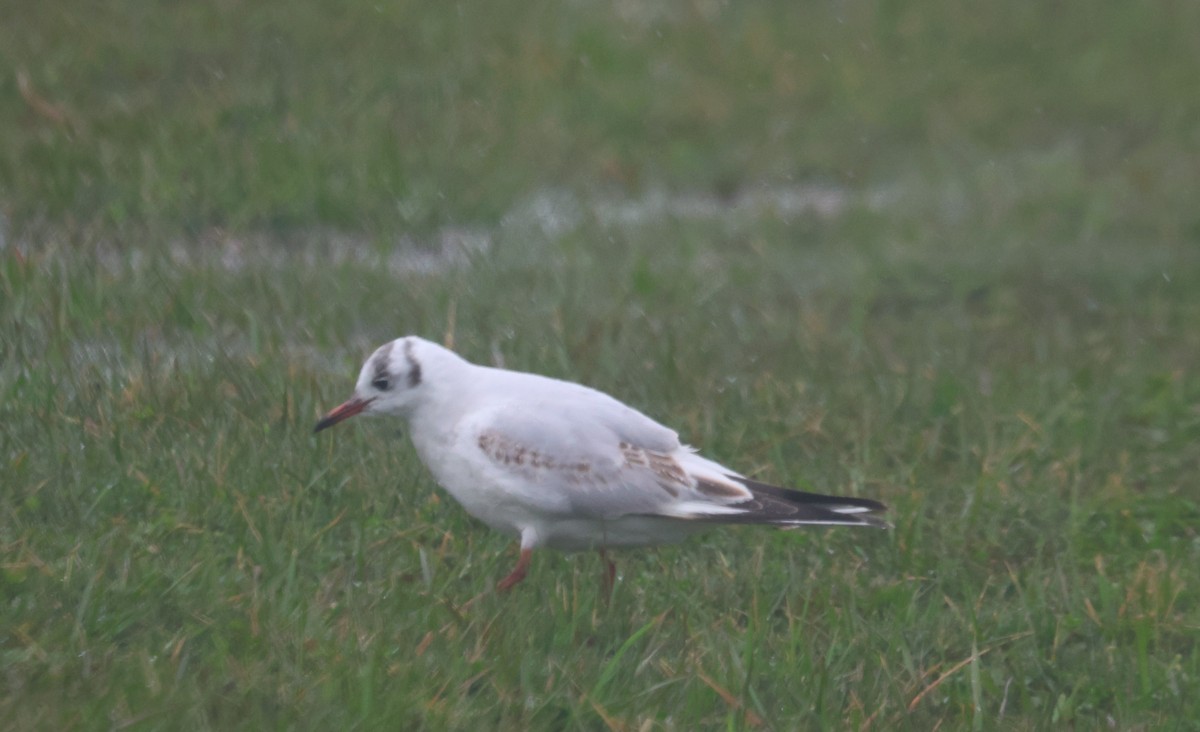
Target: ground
(943,257)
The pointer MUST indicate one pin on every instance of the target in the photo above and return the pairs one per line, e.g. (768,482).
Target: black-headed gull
(562,465)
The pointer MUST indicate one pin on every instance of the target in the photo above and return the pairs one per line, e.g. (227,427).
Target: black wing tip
(826,509)
(874,522)
(817,516)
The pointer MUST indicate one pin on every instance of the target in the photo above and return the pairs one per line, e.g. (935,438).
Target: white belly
(627,531)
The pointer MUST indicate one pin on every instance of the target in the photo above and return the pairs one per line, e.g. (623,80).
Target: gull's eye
(381,383)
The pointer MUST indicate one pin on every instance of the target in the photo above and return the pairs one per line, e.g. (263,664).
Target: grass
(993,329)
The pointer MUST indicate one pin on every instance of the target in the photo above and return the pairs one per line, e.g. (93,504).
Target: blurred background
(944,255)
(395,118)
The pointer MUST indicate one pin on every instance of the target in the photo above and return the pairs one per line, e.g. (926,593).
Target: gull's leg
(610,574)
(518,572)
(528,539)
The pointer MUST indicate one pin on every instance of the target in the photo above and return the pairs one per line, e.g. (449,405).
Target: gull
(561,465)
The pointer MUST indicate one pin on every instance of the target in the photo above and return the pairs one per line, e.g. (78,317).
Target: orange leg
(610,574)
(518,572)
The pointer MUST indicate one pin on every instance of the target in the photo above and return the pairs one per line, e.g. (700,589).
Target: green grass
(211,214)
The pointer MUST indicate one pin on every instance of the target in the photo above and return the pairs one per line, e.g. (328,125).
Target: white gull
(561,465)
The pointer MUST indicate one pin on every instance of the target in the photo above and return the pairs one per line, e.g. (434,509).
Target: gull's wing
(597,458)
(589,460)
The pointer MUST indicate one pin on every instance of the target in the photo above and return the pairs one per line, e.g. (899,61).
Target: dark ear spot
(414,366)
(381,379)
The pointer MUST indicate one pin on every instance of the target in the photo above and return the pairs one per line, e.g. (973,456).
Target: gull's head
(391,381)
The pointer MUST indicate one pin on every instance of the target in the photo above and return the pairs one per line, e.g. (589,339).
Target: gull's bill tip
(343,411)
